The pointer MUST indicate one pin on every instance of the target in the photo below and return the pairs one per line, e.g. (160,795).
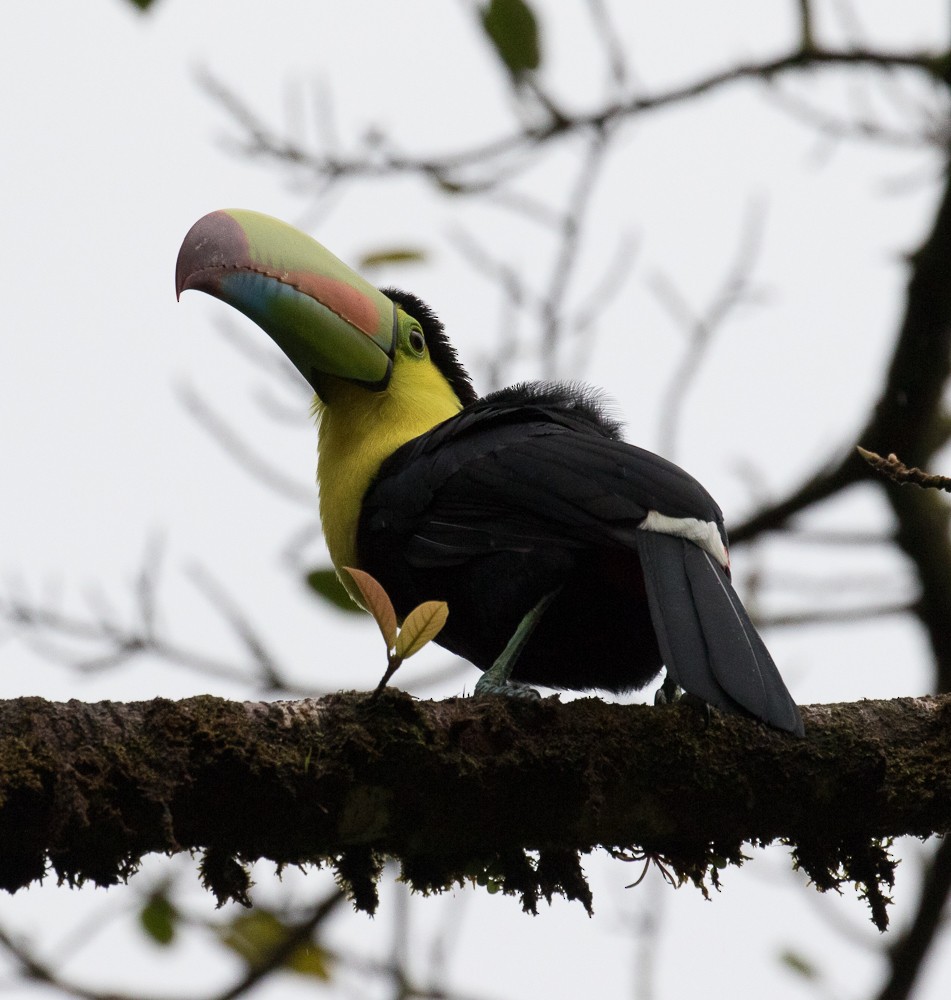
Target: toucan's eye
(417,341)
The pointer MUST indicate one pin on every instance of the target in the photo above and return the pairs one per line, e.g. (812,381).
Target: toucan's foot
(491,684)
(496,680)
(669,692)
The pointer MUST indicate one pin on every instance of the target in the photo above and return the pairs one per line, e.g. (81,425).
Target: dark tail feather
(709,645)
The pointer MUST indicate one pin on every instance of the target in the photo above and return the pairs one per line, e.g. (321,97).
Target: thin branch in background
(258,138)
(648,925)
(516,298)
(55,636)
(325,117)
(402,987)
(929,120)
(896,470)
(518,203)
(262,356)
(907,955)
(807,37)
(582,325)
(929,132)
(252,462)
(444,944)
(569,245)
(301,934)
(281,412)
(146,589)
(400,948)
(33,970)
(931,112)
(609,37)
(755,481)
(104,641)
(850,22)
(267,670)
(508,155)
(298,542)
(838,584)
(735,290)
(843,616)
(834,536)
(837,920)
(321,197)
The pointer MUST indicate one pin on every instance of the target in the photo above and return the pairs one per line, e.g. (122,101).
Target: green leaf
(158,918)
(796,962)
(142,4)
(422,625)
(377,602)
(513,30)
(253,936)
(326,584)
(394,255)
(257,935)
(310,960)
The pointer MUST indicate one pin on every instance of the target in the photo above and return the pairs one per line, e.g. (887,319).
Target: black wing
(507,473)
(516,497)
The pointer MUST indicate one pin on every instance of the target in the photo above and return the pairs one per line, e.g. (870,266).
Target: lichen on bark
(508,793)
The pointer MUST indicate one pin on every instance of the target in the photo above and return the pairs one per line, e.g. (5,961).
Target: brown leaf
(377,603)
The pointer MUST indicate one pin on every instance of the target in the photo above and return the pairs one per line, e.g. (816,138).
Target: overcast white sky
(111,151)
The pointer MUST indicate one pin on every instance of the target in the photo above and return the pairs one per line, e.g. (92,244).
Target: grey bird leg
(496,679)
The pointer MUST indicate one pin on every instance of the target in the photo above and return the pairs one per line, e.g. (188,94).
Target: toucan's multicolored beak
(324,316)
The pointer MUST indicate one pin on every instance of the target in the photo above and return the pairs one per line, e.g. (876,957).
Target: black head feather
(440,349)
(575,400)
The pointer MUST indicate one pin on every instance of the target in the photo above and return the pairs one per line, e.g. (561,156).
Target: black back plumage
(529,491)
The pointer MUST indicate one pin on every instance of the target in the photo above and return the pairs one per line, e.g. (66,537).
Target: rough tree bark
(462,788)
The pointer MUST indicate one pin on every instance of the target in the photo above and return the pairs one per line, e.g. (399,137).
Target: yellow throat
(357,430)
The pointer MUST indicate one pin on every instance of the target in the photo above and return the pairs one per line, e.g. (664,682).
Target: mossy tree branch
(460,787)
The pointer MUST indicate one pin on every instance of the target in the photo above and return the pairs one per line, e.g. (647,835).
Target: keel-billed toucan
(566,556)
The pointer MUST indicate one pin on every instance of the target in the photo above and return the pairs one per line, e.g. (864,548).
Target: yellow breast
(357,431)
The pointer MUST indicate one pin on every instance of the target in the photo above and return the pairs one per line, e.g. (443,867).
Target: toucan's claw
(669,692)
(489,685)
(496,680)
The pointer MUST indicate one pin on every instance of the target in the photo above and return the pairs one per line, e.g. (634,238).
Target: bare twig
(298,935)
(609,38)
(896,470)
(807,38)
(930,130)
(516,298)
(33,969)
(253,463)
(266,666)
(834,536)
(735,290)
(503,157)
(103,640)
(569,246)
(843,616)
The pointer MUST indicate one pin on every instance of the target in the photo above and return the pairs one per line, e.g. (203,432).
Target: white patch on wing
(704,534)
